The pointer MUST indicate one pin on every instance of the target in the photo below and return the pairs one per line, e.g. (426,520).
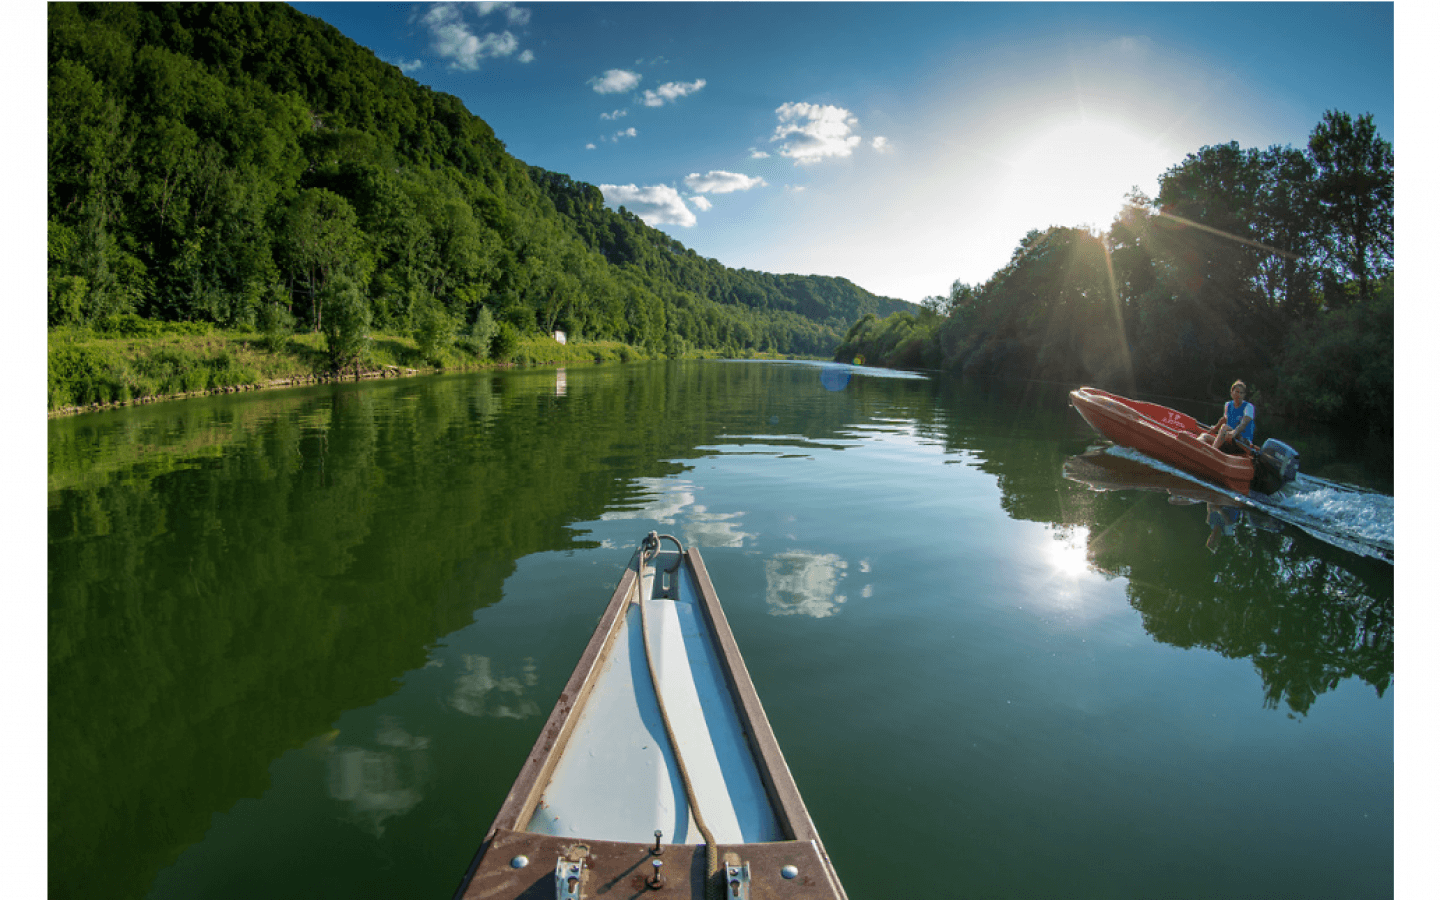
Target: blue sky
(901,145)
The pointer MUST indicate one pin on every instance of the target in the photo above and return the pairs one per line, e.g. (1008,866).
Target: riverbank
(89,371)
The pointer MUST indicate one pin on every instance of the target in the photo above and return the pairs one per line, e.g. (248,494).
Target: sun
(1077,171)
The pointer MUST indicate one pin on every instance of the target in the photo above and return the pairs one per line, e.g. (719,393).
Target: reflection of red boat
(1175,439)
(1100,471)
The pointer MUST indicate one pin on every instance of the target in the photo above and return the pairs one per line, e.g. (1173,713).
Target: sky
(904,146)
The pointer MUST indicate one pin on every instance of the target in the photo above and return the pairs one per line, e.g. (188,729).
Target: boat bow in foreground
(680,791)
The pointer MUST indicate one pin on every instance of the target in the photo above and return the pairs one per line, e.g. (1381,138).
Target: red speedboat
(1174,438)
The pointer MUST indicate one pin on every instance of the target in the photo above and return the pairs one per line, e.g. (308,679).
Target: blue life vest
(1233,415)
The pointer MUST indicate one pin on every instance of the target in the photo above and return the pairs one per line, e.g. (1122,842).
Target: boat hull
(1165,434)
(595,788)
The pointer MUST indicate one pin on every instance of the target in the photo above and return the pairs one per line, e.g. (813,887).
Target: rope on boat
(649,548)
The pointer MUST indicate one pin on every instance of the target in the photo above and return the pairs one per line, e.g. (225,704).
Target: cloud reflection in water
(798,582)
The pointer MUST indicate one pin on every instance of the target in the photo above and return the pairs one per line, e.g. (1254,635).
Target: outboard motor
(1276,466)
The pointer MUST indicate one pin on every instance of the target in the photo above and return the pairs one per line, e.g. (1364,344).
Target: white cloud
(411,65)
(672,91)
(812,132)
(526,56)
(611,116)
(628,132)
(721,182)
(701,202)
(590,146)
(452,38)
(758,154)
(615,81)
(655,205)
(882,145)
(517,15)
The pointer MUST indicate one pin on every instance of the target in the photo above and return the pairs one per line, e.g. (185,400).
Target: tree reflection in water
(1307,615)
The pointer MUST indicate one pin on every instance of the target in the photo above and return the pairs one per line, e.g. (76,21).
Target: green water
(300,643)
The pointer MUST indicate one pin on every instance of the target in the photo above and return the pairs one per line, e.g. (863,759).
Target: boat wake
(1341,515)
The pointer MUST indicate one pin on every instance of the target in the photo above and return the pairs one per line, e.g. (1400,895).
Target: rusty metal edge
(519,805)
(618,869)
(784,792)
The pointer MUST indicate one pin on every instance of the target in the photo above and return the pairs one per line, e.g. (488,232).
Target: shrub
(505,343)
(276,323)
(80,375)
(482,331)
(129,324)
(434,330)
(346,322)
(67,299)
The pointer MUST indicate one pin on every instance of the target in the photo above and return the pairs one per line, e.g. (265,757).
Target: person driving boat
(1237,420)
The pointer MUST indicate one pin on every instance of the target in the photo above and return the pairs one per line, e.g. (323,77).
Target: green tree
(505,342)
(1356,193)
(482,333)
(434,329)
(321,238)
(1286,216)
(347,327)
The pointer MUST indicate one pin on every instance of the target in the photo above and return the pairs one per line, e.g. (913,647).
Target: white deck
(618,780)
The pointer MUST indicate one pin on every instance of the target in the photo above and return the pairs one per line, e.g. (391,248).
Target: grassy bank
(152,361)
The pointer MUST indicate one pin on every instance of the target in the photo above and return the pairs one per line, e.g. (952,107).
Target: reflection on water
(660,499)
(669,502)
(799,583)
(1226,599)
(376,785)
(1222,520)
(411,569)
(479,693)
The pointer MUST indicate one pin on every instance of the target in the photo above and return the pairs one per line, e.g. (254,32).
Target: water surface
(300,643)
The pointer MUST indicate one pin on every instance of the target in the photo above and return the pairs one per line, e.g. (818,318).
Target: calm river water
(300,643)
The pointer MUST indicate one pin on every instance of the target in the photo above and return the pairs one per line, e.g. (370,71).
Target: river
(301,642)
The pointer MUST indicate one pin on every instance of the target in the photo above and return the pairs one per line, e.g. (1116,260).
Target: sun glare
(1078,172)
(1067,551)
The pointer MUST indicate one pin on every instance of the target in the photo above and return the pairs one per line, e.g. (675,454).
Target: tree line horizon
(250,167)
(1273,267)
(247,167)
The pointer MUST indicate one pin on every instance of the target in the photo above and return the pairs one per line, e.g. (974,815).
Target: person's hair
(1241,385)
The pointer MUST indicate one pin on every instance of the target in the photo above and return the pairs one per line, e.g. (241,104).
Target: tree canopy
(1274,266)
(228,163)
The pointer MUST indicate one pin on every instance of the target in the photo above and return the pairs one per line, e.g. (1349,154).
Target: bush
(346,322)
(67,299)
(505,343)
(434,330)
(1341,365)
(171,370)
(276,324)
(129,324)
(79,375)
(482,332)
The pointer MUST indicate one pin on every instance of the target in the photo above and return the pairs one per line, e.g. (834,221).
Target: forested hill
(623,239)
(250,166)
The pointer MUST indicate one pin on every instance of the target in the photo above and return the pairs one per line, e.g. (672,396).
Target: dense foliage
(248,166)
(1272,266)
